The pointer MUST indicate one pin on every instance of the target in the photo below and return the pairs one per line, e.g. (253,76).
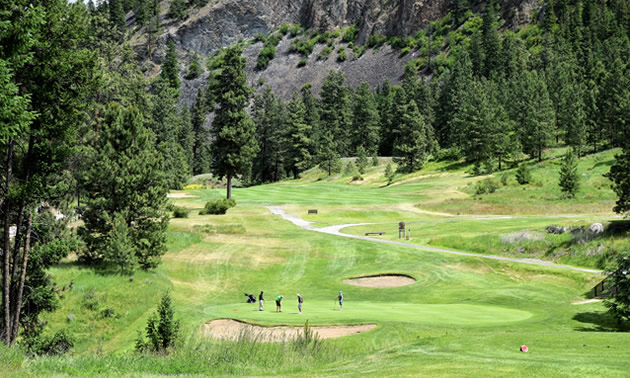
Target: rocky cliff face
(224,22)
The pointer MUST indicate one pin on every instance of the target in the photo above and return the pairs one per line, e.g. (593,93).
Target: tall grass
(249,354)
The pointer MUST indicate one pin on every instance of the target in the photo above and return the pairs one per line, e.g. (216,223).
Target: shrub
(488,185)
(284,29)
(218,207)
(194,186)
(301,63)
(341,55)
(349,34)
(358,51)
(523,174)
(265,56)
(376,40)
(180,212)
(375,161)
(357,177)
(294,30)
(325,53)
(405,51)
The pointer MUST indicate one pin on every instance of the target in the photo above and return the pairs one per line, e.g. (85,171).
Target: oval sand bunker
(381,280)
(228,329)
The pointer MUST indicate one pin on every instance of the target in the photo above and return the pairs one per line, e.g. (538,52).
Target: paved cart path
(336,230)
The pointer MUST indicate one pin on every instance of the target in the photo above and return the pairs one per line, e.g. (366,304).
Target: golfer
(278,303)
(340,297)
(300,301)
(260,301)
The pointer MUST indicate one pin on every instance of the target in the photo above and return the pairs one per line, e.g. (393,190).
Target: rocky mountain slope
(221,23)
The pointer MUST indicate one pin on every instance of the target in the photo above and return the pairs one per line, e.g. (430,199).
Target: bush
(484,186)
(265,56)
(405,51)
(55,345)
(358,51)
(325,53)
(376,40)
(523,174)
(218,207)
(375,161)
(301,63)
(180,212)
(357,177)
(349,34)
(341,55)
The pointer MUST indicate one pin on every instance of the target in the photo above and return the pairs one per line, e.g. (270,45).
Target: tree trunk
(229,187)
(18,302)
(6,249)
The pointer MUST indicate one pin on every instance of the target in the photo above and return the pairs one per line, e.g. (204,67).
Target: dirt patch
(181,195)
(381,280)
(229,329)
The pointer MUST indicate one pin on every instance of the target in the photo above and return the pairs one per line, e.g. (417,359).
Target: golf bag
(250,298)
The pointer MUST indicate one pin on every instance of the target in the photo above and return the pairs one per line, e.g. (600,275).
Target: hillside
(221,23)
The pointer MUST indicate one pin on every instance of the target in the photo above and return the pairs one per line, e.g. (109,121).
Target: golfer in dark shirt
(260,301)
(300,301)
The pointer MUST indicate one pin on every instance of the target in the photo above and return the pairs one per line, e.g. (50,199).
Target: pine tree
(117,14)
(362,160)
(170,67)
(195,70)
(201,136)
(569,177)
(411,146)
(620,176)
(618,301)
(126,178)
(299,142)
(118,249)
(177,9)
(162,329)
(365,132)
(166,124)
(327,154)
(535,114)
(385,104)
(490,41)
(234,144)
(268,115)
(523,174)
(335,112)
(311,118)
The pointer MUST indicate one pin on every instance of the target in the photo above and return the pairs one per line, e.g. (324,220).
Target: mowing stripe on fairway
(335,230)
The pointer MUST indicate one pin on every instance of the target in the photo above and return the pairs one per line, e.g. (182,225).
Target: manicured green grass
(463,316)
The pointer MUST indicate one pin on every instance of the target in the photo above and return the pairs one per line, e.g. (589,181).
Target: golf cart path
(336,230)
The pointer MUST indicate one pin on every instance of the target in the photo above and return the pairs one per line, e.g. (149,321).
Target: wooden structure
(312,211)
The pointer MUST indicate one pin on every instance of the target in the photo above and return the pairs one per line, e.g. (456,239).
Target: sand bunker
(381,280)
(181,195)
(228,329)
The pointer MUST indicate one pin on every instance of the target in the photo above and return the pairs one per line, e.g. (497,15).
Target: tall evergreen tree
(234,144)
(620,176)
(490,40)
(201,136)
(569,177)
(117,14)
(170,67)
(365,132)
(411,146)
(533,110)
(336,111)
(311,118)
(126,180)
(268,115)
(298,137)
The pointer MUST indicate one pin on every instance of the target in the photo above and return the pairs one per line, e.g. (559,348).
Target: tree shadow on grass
(599,321)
